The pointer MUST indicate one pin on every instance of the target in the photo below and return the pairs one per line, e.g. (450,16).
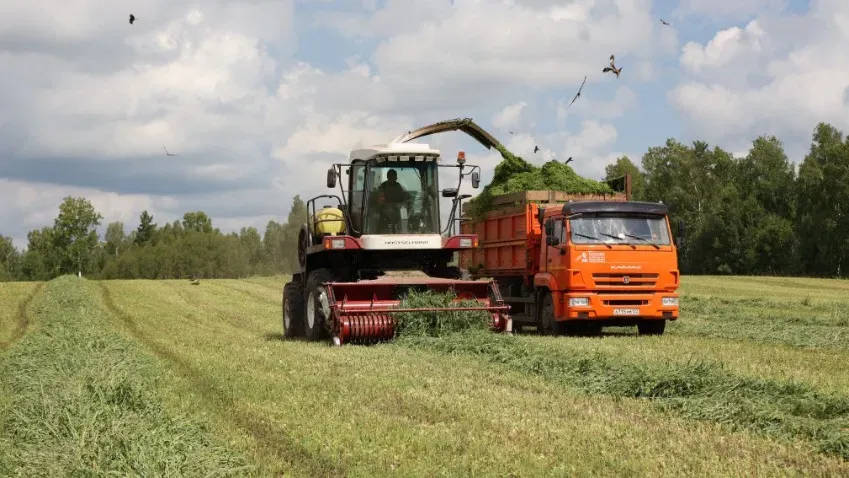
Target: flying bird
(132,18)
(567,161)
(167,153)
(664,22)
(579,91)
(536,148)
(612,67)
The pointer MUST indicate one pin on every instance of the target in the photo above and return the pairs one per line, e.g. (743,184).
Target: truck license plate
(626,311)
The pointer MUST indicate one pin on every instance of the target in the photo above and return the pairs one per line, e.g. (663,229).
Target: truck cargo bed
(509,232)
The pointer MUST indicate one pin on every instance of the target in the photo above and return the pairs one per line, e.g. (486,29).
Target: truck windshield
(599,228)
(400,198)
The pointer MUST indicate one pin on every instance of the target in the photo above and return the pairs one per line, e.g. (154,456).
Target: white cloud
(509,116)
(779,75)
(89,101)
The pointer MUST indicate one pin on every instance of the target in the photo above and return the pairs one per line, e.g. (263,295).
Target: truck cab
(608,263)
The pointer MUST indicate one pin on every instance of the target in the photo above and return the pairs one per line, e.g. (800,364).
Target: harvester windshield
(594,228)
(397,197)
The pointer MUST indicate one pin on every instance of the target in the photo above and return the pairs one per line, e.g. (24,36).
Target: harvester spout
(365,312)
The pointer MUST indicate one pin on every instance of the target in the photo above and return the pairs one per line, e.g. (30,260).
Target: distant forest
(755,215)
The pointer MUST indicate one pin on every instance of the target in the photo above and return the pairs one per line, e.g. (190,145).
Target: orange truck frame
(576,263)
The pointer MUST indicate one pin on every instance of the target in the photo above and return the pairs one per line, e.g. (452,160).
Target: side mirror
(476,179)
(681,228)
(549,228)
(449,193)
(331,178)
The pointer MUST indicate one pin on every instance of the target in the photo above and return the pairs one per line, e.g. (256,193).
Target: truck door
(555,241)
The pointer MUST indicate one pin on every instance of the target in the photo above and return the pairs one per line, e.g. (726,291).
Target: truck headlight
(579,301)
(669,301)
(465,242)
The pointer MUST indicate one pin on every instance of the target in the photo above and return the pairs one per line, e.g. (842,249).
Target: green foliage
(438,324)
(514,174)
(78,399)
(624,166)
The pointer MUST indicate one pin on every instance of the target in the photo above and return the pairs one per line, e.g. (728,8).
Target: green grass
(15,298)
(79,400)
(715,396)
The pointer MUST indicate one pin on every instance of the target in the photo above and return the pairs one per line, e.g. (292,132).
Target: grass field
(162,378)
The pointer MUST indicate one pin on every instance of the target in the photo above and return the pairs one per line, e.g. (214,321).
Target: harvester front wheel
(293,309)
(317,305)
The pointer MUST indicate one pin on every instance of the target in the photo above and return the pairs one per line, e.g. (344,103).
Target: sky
(258,98)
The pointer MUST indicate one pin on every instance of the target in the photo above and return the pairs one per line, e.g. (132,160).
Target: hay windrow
(514,174)
(439,323)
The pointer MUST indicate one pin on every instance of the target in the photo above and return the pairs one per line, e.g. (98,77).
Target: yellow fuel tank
(329,221)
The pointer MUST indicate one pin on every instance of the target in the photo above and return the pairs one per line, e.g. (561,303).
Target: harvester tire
(546,325)
(651,327)
(317,308)
(293,310)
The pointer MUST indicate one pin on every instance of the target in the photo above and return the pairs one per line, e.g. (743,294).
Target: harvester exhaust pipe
(364,312)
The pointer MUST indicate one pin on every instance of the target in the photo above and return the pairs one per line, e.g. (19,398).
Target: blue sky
(258,100)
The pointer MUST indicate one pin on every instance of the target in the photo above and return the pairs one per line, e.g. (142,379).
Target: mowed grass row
(309,409)
(79,399)
(15,298)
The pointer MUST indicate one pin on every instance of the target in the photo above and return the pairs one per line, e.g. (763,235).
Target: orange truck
(578,262)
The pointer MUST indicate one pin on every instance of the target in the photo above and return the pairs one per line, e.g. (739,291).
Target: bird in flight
(612,67)
(132,18)
(579,91)
(664,22)
(567,161)
(167,153)
(536,148)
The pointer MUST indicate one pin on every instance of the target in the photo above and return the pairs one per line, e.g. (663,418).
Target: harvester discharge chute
(386,221)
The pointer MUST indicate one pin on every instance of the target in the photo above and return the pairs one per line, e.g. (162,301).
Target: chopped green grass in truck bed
(514,174)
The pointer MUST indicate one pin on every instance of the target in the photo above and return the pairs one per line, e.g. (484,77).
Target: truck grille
(619,280)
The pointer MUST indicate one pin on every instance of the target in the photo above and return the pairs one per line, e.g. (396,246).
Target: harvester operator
(390,197)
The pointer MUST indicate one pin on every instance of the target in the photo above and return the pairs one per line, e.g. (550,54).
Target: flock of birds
(607,69)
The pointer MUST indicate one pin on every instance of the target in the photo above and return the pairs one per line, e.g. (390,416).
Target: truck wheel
(317,305)
(293,309)
(546,325)
(651,327)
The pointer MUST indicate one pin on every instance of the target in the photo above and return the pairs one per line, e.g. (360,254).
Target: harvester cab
(382,238)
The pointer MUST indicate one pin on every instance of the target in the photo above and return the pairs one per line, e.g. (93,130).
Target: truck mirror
(331,178)
(681,228)
(449,193)
(549,227)
(476,179)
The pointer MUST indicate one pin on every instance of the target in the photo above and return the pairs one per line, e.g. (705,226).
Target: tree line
(182,249)
(749,215)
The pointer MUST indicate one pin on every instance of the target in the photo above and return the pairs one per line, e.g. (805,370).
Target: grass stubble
(446,398)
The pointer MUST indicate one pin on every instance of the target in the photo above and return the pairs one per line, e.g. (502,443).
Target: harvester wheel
(293,309)
(317,305)
(546,325)
(651,327)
